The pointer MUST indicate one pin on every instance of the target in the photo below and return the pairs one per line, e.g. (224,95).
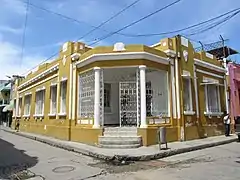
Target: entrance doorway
(128,103)
(120,96)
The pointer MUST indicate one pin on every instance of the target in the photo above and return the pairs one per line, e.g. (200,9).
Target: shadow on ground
(13,161)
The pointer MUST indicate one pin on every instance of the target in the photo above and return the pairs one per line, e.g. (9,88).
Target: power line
(95,28)
(211,26)
(82,22)
(135,22)
(183,29)
(24,33)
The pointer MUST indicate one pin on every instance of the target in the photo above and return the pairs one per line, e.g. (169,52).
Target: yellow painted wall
(63,127)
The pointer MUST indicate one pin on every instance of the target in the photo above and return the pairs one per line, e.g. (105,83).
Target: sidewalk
(139,154)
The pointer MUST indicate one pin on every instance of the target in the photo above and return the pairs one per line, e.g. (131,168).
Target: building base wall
(75,133)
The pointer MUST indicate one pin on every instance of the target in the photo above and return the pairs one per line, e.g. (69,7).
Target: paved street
(46,162)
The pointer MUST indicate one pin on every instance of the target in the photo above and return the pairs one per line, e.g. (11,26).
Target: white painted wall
(113,77)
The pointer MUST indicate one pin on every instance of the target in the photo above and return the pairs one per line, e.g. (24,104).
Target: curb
(120,158)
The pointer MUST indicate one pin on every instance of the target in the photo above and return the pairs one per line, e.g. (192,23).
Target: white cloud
(9,29)
(10,59)
(15,6)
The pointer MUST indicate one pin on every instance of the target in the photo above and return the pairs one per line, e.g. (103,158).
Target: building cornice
(209,65)
(41,75)
(122,56)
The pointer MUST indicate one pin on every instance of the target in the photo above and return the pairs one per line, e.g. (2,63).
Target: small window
(27,105)
(107,97)
(63,97)
(39,108)
(53,99)
(20,107)
(187,94)
(212,98)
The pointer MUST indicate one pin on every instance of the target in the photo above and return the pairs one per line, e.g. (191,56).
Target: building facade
(87,93)
(5,88)
(234,84)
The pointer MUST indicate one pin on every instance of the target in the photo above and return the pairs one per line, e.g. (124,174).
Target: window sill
(213,113)
(52,114)
(26,116)
(62,114)
(189,112)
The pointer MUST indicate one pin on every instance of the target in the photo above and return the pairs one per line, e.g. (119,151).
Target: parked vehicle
(237,127)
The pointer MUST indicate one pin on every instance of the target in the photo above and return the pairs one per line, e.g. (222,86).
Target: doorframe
(120,122)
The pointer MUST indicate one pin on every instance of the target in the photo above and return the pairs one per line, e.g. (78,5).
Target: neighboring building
(234,82)
(5,87)
(86,91)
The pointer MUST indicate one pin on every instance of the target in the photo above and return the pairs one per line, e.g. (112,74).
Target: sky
(46,32)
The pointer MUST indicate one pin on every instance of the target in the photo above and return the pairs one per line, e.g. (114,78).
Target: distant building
(120,95)
(5,88)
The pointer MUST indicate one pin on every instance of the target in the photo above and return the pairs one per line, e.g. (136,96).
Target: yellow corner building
(118,96)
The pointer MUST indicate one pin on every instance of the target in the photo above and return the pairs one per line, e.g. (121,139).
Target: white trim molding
(170,52)
(209,65)
(40,82)
(122,56)
(40,89)
(189,112)
(41,75)
(213,113)
(210,74)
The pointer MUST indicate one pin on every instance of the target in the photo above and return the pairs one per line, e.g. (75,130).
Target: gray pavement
(139,154)
(18,153)
(217,163)
(22,156)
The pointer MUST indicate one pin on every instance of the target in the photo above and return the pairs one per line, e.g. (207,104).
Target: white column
(226,94)
(177,89)
(173,91)
(196,91)
(143,96)
(97,98)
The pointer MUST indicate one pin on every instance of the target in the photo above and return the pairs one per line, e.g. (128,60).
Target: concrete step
(120,137)
(120,129)
(120,140)
(126,146)
(120,133)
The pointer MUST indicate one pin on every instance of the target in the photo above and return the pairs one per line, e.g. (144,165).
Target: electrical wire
(135,22)
(24,33)
(83,22)
(211,26)
(95,28)
(183,29)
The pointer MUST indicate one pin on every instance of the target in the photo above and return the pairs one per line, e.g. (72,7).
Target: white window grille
(39,107)
(86,94)
(212,98)
(157,93)
(63,97)
(187,95)
(27,105)
(20,107)
(53,99)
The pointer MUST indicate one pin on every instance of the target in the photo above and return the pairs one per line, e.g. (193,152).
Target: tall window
(157,95)
(39,108)
(20,107)
(187,94)
(27,105)
(14,108)
(212,98)
(107,97)
(53,99)
(86,94)
(63,97)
